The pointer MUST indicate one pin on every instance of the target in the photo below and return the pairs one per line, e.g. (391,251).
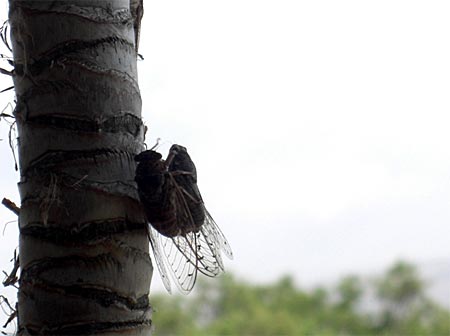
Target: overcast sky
(320,129)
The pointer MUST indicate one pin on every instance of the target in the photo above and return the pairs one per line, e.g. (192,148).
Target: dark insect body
(183,235)
(156,193)
(184,173)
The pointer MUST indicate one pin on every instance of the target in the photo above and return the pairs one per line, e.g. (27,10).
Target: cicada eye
(177,149)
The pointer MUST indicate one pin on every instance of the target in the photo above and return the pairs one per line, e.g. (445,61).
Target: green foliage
(227,306)
(350,291)
(173,315)
(401,284)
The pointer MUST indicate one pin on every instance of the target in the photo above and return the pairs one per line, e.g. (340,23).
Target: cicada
(184,237)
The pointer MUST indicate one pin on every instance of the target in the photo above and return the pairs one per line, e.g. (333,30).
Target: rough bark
(85,267)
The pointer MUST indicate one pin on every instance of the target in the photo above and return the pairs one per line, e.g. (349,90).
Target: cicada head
(148,156)
(149,172)
(178,149)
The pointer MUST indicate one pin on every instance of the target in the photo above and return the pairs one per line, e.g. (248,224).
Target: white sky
(320,129)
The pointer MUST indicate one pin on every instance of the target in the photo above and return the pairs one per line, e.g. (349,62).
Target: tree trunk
(85,266)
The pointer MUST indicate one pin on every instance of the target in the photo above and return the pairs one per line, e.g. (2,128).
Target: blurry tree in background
(405,308)
(232,307)
(401,286)
(350,291)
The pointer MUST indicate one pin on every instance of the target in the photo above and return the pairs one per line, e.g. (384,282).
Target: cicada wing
(210,258)
(201,253)
(198,241)
(181,260)
(159,257)
(210,239)
(212,252)
(220,239)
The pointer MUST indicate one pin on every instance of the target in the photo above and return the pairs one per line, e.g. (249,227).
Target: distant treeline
(227,306)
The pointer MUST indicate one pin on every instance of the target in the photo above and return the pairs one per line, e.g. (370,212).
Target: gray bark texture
(85,266)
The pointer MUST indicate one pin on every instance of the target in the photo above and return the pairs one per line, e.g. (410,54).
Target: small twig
(3,114)
(8,88)
(11,317)
(4,34)
(6,72)
(5,300)
(11,145)
(11,128)
(6,224)
(12,278)
(11,206)
(13,313)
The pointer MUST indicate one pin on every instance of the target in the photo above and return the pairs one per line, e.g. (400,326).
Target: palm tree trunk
(85,267)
